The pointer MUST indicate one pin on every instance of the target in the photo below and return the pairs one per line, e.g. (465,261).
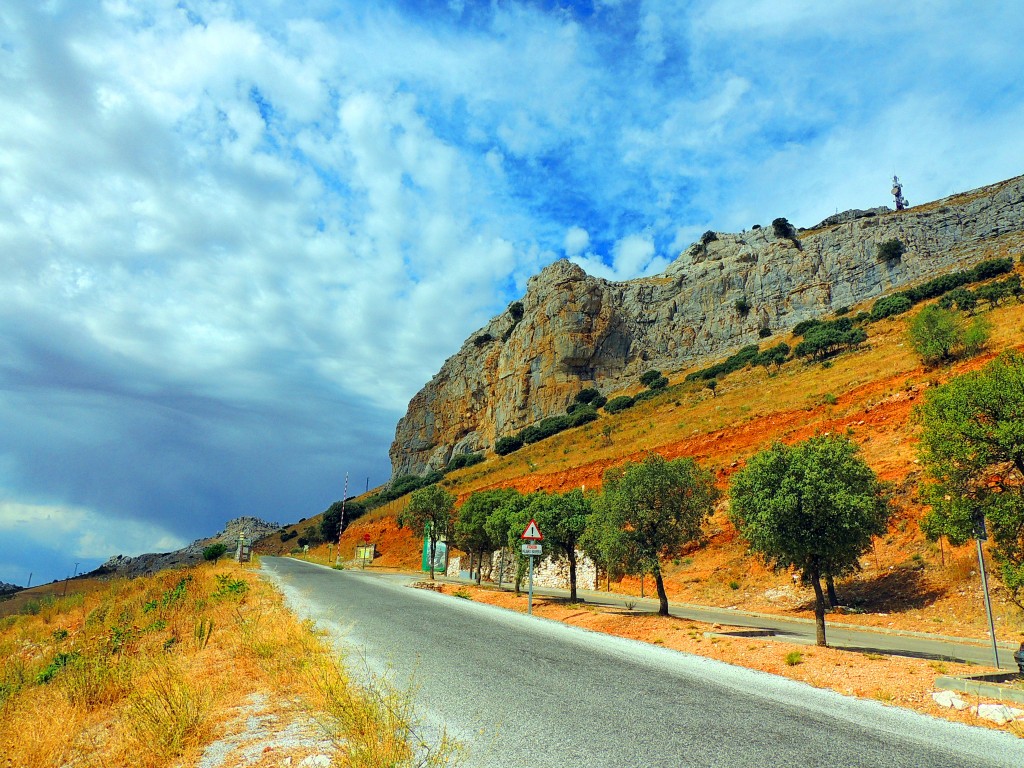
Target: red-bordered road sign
(532,532)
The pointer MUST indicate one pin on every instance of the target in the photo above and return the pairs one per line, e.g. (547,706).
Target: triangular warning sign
(532,532)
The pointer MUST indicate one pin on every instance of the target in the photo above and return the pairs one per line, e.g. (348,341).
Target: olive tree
(506,524)
(939,335)
(562,518)
(972,449)
(647,512)
(814,506)
(472,534)
(430,508)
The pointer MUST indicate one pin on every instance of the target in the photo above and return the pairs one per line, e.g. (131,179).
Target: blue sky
(237,237)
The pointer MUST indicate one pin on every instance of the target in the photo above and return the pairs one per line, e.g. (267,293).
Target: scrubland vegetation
(146,672)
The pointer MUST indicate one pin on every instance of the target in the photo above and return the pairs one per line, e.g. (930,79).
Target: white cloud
(576,241)
(84,533)
(632,256)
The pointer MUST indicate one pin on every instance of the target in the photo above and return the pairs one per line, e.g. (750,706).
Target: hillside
(868,394)
(571,330)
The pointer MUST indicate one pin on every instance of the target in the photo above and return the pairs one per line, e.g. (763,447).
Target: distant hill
(253,528)
(572,331)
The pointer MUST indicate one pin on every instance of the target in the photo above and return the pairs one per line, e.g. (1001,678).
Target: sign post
(532,548)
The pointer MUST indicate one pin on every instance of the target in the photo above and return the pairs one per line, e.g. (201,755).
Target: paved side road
(520,690)
(850,637)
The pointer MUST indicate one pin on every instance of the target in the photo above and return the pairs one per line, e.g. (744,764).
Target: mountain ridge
(571,330)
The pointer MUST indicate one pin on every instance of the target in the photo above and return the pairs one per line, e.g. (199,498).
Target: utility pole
(341,522)
(980,535)
(65,592)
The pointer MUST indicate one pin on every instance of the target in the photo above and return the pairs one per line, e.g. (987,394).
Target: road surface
(523,691)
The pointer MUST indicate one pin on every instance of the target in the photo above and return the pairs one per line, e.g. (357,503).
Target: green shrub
(620,403)
(991,268)
(58,663)
(939,335)
(742,307)
(587,395)
(460,460)
(649,376)
(708,237)
(506,445)
(829,338)
(890,250)
(961,298)
(599,401)
(764,333)
(776,355)
(783,229)
(889,306)
(214,551)
(583,416)
(746,356)
(659,383)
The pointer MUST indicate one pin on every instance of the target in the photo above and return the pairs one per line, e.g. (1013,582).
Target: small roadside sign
(532,532)
(532,549)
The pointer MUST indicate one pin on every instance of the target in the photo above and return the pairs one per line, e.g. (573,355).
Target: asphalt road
(523,691)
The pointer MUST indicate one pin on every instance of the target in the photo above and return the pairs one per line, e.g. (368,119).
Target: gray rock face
(576,331)
(152,562)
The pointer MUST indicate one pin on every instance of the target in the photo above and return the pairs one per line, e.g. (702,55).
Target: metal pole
(988,603)
(529,604)
(341,520)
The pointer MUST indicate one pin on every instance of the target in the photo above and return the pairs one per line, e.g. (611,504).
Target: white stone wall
(547,572)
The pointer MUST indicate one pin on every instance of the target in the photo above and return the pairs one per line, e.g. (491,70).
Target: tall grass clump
(141,672)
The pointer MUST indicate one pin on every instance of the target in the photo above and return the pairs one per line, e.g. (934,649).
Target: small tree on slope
(813,506)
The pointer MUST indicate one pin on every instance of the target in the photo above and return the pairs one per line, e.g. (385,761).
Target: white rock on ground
(998,713)
(949,699)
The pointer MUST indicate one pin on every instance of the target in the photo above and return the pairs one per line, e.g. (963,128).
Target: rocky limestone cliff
(571,330)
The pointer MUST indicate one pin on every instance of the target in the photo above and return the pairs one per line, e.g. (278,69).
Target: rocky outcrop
(572,330)
(253,528)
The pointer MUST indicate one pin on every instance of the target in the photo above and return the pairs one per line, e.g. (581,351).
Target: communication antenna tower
(897,192)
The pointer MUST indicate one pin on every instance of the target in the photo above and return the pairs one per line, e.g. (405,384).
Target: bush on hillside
(214,551)
(648,376)
(506,445)
(890,250)
(460,460)
(583,416)
(618,404)
(889,306)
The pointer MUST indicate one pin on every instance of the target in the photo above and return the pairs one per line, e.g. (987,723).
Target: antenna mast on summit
(897,192)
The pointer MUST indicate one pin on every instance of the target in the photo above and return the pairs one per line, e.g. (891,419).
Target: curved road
(518,690)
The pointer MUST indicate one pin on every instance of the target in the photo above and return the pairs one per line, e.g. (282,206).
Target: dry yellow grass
(146,672)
